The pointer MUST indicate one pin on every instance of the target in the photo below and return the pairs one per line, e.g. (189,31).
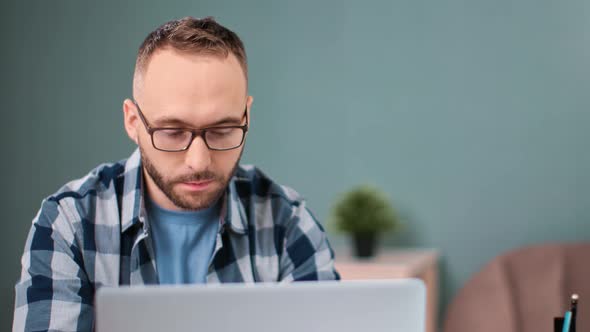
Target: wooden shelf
(396,263)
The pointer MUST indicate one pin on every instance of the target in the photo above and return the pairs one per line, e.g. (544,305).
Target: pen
(574,311)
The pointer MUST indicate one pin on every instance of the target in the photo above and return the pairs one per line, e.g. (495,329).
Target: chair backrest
(522,290)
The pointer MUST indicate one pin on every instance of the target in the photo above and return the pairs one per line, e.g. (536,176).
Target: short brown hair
(199,36)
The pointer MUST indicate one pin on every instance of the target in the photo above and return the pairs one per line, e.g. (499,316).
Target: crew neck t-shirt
(183,242)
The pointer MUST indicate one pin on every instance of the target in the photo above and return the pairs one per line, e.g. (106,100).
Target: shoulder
(101,179)
(80,197)
(252,182)
(270,205)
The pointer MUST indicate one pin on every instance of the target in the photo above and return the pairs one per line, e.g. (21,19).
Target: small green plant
(364,210)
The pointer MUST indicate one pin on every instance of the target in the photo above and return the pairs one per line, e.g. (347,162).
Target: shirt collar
(133,209)
(234,214)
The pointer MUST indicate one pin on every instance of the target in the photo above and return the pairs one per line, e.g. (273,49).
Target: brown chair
(522,290)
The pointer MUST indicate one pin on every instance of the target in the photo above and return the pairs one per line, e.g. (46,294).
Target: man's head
(190,73)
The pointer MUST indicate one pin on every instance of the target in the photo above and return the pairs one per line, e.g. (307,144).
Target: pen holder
(558,325)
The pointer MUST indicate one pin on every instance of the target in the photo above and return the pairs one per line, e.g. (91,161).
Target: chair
(522,290)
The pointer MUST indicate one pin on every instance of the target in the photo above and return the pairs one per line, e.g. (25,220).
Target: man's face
(189,91)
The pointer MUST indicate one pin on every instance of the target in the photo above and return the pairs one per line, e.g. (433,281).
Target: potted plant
(364,212)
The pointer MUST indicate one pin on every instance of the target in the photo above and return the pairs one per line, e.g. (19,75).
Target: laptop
(345,306)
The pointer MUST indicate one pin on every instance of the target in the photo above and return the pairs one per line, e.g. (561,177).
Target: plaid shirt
(94,232)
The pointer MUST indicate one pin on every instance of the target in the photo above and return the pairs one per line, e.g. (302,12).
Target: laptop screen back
(349,306)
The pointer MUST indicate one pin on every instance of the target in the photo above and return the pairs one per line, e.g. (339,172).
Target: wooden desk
(397,263)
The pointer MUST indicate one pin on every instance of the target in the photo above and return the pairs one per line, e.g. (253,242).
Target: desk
(400,263)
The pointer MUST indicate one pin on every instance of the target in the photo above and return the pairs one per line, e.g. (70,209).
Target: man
(180,209)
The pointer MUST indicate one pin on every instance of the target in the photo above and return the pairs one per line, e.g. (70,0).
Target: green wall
(472,115)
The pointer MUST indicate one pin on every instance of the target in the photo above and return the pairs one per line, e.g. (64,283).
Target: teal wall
(472,115)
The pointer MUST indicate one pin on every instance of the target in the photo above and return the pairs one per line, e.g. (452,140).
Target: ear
(249,102)
(131,120)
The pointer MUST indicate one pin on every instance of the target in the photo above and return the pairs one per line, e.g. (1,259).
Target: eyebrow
(168,121)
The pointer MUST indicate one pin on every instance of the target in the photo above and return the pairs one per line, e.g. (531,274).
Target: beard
(194,201)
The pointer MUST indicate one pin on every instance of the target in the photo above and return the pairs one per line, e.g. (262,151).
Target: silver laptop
(346,306)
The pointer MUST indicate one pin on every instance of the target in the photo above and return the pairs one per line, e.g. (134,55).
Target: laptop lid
(346,306)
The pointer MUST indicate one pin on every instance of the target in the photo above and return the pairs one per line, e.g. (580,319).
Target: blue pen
(566,321)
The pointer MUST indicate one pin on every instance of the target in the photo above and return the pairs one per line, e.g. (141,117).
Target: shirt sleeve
(53,293)
(307,254)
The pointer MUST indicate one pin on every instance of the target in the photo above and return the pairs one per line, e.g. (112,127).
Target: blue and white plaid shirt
(94,232)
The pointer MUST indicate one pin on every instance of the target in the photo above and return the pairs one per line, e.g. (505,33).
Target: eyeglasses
(180,139)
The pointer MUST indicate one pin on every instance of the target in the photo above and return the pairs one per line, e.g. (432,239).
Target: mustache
(197,177)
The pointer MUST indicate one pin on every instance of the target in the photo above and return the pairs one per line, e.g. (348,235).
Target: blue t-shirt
(183,242)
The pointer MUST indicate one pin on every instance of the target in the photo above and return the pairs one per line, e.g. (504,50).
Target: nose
(198,155)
